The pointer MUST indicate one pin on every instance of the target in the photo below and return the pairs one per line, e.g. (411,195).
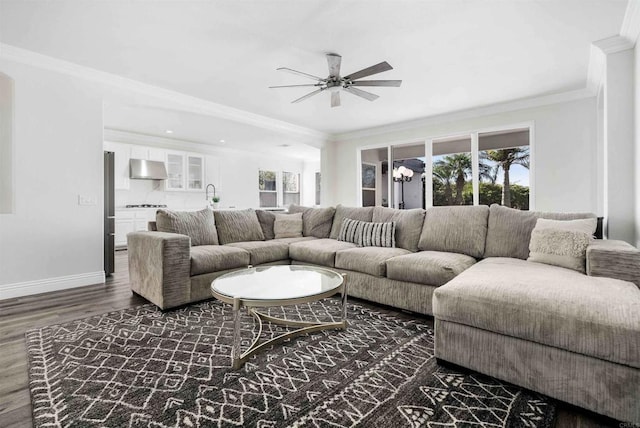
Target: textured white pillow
(562,242)
(288,226)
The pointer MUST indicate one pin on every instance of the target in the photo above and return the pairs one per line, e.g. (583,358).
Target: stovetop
(146,206)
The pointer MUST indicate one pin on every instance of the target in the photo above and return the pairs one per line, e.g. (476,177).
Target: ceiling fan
(335,83)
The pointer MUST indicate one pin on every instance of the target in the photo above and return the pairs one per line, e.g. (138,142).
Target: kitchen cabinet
(195,172)
(131,220)
(185,170)
(147,153)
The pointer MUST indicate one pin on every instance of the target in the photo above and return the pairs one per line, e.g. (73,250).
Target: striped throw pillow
(368,234)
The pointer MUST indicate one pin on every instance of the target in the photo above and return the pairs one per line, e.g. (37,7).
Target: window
(267,188)
(452,171)
(496,173)
(504,159)
(291,188)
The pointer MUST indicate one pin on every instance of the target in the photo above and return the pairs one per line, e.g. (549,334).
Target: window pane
(452,175)
(267,181)
(291,198)
(504,168)
(406,172)
(290,182)
(268,199)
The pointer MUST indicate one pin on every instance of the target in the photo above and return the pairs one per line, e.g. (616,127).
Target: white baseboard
(28,288)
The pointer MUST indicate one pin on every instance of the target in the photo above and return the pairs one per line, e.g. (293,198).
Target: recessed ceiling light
(168,131)
(222,141)
(285,145)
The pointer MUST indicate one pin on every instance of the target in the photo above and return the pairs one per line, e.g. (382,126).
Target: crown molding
(182,101)
(613,44)
(630,29)
(116,135)
(596,71)
(520,104)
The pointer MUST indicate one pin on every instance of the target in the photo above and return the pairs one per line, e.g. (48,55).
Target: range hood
(147,170)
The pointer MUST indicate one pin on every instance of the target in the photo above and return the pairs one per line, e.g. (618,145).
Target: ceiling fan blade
(377,83)
(364,94)
(295,86)
(309,95)
(334,61)
(300,73)
(374,69)
(335,99)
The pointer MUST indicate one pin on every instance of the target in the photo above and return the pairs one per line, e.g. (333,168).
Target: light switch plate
(86,200)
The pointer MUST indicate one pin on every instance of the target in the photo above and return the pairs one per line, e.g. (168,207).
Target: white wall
(636,74)
(308,185)
(50,242)
(564,150)
(619,146)
(58,156)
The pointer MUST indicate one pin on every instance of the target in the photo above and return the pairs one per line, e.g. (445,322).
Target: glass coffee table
(263,287)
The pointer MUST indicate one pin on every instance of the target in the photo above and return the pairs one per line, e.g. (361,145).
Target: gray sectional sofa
(569,335)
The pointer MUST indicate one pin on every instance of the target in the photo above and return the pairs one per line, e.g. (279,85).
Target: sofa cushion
(213,258)
(342,212)
(370,260)
(428,267)
(288,226)
(264,251)
(318,251)
(550,305)
(408,225)
(266,219)
(562,242)
(458,229)
(316,222)
(197,225)
(238,226)
(510,230)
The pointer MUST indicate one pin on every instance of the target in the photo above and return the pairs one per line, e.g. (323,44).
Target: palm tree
(505,158)
(442,172)
(460,165)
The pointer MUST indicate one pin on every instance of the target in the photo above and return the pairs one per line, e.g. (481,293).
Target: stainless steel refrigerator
(109,213)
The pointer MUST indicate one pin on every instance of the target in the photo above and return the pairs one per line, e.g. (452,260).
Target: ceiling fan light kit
(335,83)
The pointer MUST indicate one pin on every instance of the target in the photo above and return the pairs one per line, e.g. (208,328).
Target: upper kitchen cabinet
(185,170)
(195,172)
(147,153)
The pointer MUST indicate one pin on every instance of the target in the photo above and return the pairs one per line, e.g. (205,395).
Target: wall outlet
(87,200)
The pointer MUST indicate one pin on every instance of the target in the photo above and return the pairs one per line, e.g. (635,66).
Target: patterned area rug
(141,367)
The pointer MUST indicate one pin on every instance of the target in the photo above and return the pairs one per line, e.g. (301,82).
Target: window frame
(428,142)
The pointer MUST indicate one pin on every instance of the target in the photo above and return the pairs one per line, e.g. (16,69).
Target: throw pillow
(408,225)
(562,243)
(238,226)
(287,226)
(197,225)
(368,234)
(316,222)
(354,213)
(509,231)
(266,219)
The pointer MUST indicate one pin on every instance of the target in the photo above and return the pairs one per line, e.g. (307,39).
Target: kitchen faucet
(207,191)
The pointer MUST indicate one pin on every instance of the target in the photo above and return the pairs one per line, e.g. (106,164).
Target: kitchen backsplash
(152,192)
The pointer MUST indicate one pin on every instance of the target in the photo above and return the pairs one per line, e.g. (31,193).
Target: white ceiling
(450,54)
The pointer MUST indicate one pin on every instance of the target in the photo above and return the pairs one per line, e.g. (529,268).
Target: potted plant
(215,202)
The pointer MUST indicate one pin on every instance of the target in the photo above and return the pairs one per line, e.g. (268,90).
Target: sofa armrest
(614,259)
(160,267)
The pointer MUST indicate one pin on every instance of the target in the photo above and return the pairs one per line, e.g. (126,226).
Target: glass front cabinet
(185,171)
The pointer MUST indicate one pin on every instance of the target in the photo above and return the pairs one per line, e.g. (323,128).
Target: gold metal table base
(238,357)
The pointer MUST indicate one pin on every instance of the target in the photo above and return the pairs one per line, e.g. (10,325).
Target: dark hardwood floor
(21,314)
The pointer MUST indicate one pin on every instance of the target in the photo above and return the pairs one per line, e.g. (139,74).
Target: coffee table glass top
(277,282)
